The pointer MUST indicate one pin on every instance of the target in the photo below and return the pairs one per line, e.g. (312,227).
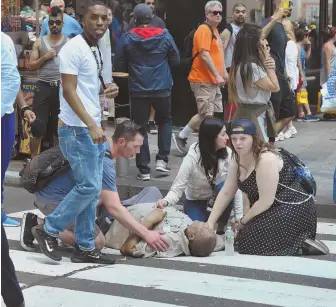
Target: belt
(52,83)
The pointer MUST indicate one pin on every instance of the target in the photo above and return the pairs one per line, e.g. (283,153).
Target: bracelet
(242,222)
(24,109)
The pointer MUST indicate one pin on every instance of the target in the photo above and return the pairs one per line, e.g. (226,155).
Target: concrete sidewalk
(315,145)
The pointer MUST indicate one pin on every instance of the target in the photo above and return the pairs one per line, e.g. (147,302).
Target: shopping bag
(328,104)
(329,93)
(302,97)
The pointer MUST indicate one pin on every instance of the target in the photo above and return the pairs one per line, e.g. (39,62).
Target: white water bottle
(229,242)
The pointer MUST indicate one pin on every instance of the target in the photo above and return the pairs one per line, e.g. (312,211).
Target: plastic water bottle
(229,242)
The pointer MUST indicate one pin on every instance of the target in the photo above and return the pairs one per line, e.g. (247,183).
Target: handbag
(302,97)
(328,92)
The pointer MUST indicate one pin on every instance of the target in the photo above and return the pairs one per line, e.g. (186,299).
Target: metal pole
(268,8)
(37,10)
(323,20)
(333,16)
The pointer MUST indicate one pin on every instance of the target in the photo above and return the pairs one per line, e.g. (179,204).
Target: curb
(128,187)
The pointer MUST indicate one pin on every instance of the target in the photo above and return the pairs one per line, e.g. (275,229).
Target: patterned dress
(282,229)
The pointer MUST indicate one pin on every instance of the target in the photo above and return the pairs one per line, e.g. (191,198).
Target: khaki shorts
(208,98)
(47,207)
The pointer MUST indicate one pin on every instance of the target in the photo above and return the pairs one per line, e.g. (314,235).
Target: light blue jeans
(86,161)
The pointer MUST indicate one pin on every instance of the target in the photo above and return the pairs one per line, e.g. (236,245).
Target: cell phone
(285,4)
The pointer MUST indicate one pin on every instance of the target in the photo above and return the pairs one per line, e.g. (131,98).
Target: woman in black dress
(281,216)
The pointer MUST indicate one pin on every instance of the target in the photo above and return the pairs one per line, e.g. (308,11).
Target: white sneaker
(162,166)
(290,132)
(280,137)
(143,177)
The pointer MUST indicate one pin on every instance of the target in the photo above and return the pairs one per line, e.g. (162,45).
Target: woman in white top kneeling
(203,173)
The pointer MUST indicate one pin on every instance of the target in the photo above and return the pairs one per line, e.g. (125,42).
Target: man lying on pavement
(125,142)
(184,236)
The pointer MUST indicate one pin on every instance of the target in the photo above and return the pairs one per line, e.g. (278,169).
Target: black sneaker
(181,144)
(29,220)
(94,256)
(48,244)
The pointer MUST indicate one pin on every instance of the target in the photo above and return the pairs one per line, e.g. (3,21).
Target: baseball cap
(142,14)
(245,125)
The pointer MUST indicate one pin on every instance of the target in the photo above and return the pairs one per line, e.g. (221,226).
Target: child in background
(304,47)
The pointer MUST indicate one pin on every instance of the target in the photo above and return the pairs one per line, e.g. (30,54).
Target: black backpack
(43,168)
(186,54)
(302,173)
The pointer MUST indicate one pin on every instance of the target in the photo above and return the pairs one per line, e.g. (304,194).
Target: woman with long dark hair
(253,79)
(281,215)
(203,173)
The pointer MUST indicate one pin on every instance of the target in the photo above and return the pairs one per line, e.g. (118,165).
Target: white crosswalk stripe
(218,280)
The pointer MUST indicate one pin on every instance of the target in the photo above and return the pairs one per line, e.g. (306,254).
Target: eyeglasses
(216,13)
(52,22)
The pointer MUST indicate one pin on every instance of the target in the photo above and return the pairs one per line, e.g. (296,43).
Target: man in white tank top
(229,36)
(231,30)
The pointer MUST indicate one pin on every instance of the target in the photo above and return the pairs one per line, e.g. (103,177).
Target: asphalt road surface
(218,280)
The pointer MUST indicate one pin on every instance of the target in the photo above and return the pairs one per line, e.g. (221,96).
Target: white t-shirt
(9,42)
(76,58)
(291,61)
(105,48)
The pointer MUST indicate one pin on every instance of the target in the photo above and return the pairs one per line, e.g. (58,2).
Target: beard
(239,21)
(55,31)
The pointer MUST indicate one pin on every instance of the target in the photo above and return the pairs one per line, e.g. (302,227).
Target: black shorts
(46,106)
(283,101)
(225,92)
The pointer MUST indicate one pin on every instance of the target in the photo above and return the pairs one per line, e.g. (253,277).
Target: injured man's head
(202,239)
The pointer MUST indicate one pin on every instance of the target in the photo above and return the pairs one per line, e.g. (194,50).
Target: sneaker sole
(10,225)
(177,147)
(311,121)
(77,260)
(43,248)
(143,179)
(163,170)
(23,226)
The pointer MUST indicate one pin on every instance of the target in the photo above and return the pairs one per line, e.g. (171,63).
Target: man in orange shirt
(208,73)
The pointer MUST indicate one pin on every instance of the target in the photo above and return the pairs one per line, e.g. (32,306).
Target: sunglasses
(52,22)
(216,13)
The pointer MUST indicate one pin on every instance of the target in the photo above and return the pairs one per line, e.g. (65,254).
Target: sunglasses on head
(52,22)
(216,13)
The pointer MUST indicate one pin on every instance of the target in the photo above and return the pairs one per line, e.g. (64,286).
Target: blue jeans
(196,210)
(86,161)
(140,115)
(7,142)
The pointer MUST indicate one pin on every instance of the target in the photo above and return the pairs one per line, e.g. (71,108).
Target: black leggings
(10,288)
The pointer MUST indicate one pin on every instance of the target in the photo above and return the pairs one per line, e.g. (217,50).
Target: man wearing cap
(156,21)
(148,54)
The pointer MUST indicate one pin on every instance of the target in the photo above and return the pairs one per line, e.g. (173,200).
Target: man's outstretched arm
(114,207)
(156,217)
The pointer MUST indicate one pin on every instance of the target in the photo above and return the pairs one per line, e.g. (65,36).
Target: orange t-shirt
(203,41)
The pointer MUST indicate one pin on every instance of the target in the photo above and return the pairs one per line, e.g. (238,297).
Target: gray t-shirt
(253,94)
